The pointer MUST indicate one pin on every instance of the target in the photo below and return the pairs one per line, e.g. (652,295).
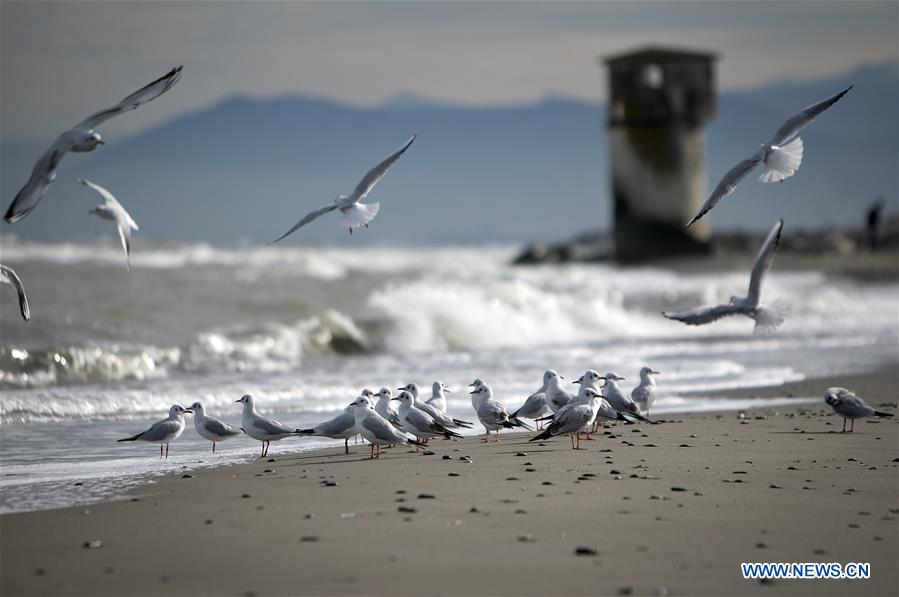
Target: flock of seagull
(413,421)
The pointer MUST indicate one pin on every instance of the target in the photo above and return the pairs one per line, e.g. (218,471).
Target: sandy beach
(667,509)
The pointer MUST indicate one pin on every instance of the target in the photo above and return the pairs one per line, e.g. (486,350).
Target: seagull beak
(653,371)
(473,392)
(561,377)
(603,378)
(187,410)
(447,390)
(579,380)
(101,142)
(394,398)
(241,400)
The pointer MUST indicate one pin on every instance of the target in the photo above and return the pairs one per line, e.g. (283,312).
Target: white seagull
(376,429)
(113,211)
(492,415)
(384,407)
(343,426)
(767,318)
(781,155)
(436,413)
(644,395)
(418,422)
(211,428)
(574,419)
(262,428)
(849,406)
(616,398)
(556,396)
(80,138)
(591,380)
(8,276)
(163,432)
(438,396)
(536,406)
(355,213)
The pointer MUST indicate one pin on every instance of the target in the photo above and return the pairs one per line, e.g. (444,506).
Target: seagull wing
(803,118)
(306,219)
(219,428)
(375,174)
(135,100)
(160,430)
(42,176)
(727,185)
(124,221)
(272,427)
(763,263)
(9,276)
(382,430)
(703,315)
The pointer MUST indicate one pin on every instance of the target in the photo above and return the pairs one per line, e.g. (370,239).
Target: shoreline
(772,486)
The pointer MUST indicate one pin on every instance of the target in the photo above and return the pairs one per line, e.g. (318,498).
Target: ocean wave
(263,348)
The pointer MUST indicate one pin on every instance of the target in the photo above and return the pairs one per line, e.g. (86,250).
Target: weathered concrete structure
(659,99)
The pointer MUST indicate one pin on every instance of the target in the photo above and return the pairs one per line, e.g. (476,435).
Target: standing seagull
(780,155)
(535,406)
(438,396)
(437,414)
(355,213)
(419,423)
(556,396)
(574,419)
(384,407)
(9,276)
(164,431)
(767,319)
(113,211)
(262,428)
(644,395)
(211,428)
(80,138)
(849,406)
(616,398)
(376,429)
(492,415)
(343,426)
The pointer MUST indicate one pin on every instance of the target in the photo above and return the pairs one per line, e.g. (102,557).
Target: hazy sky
(62,60)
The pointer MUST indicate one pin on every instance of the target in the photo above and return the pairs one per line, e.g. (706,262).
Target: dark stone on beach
(309,539)
(426,496)
(530,470)
(330,483)
(407,509)
(245,496)
(453,474)
(93,544)
(526,538)
(775,486)
(40,572)
(186,476)
(427,453)
(521,453)
(135,499)
(447,457)
(400,491)
(614,472)
(270,460)
(519,511)
(676,488)
(268,470)
(473,510)
(511,478)
(547,483)
(585,551)
(819,552)
(208,521)
(626,591)
(761,545)
(78,484)
(685,446)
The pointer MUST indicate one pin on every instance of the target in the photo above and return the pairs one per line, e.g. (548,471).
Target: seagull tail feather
(880,413)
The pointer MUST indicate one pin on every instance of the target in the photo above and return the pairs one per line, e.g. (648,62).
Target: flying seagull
(781,155)
(9,276)
(767,319)
(112,210)
(355,213)
(849,406)
(80,138)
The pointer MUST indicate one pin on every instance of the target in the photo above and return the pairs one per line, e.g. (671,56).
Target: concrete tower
(659,99)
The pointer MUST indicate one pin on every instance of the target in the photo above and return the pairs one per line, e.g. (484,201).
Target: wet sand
(667,509)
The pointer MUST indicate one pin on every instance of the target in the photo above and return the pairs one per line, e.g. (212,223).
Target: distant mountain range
(247,168)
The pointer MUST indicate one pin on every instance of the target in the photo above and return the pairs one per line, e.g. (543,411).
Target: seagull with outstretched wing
(767,319)
(781,155)
(9,276)
(113,211)
(355,213)
(80,138)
